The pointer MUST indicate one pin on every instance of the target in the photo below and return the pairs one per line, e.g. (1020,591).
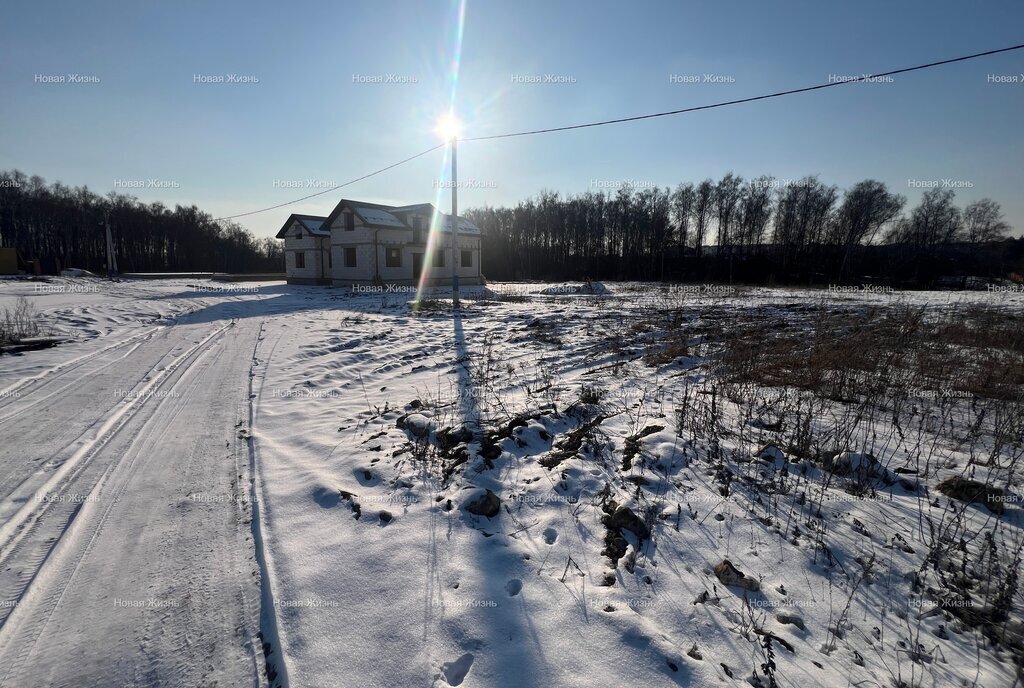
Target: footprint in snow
(550,535)
(455,672)
(366,477)
(326,497)
(513,587)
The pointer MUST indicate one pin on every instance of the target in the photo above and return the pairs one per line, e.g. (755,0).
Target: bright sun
(448,127)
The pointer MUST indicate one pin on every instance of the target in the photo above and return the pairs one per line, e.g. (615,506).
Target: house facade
(307,250)
(362,243)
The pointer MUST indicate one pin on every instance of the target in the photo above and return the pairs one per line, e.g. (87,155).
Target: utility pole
(455,224)
(111,258)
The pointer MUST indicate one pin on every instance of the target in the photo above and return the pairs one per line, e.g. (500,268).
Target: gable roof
(465,226)
(378,217)
(394,217)
(314,224)
(354,206)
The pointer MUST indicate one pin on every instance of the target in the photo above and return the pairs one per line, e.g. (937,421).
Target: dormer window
(350,222)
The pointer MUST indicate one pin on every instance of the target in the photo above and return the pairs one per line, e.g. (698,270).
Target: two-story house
(362,243)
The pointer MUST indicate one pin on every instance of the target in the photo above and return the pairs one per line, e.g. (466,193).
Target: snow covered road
(125,545)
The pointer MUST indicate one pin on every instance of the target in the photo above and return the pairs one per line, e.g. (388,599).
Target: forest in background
(755,231)
(49,221)
(758,231)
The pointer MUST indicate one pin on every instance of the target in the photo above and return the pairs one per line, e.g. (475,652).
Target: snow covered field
(216,484)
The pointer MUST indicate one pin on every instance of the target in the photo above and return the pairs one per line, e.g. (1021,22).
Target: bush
(19,323)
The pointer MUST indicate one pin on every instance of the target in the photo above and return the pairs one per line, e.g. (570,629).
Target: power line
(778,94)
(635,118)
(334,188)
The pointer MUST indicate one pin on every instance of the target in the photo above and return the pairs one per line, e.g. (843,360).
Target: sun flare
(448,127)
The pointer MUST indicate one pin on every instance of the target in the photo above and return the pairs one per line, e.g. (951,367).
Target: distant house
(362,243)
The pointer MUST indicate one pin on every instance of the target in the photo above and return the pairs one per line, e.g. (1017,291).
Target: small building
(8,261)
(362,243)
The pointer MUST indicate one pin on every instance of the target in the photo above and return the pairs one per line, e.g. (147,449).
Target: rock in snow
(416,423)
(730,575)
(483,503)
(770,452)
(623,518)
(973,492)
(790,618)
(858,466)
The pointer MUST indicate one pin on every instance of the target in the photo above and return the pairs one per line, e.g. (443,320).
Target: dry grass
(20,322)
(851,354)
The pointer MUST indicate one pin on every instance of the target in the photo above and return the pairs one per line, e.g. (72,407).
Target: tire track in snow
(273,647)
(35,399)
(63,548)
(77,546)
(13,391)
(33,514)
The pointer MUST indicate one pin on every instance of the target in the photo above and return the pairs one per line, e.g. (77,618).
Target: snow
(313,224)
(337,421)
(571,289)
(124,542)
(444,223)
(376,216)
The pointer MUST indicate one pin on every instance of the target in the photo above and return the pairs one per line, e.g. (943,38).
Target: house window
(416,223)
(298,233)
(467,259)
(439,258)
(300,259)
(330,259)
(350,256)
(393,258)
(417,236)
(350,222)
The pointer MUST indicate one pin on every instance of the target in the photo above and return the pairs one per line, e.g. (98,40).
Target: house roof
(465,226)
(378,217)
(312,224)
(392,217)
(413,208)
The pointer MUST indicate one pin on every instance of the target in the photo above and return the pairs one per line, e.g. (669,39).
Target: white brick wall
(315,250)
(362,238)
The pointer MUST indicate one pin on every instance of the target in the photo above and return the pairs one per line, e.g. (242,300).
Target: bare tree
(755,211)
(728,193)
(983,222)
(803,215)
(683,199)
(703,203)
(865,209)
(934,222)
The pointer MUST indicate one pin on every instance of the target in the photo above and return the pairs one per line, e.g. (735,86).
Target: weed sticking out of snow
(647,486)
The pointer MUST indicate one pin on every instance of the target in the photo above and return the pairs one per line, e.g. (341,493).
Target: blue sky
(316,114)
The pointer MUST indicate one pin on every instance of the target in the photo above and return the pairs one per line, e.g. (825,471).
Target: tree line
(760,230)
(47,221)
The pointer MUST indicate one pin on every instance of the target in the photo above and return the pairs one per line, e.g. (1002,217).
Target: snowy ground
(356,431)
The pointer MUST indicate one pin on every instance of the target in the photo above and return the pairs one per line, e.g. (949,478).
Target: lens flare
(448,127)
